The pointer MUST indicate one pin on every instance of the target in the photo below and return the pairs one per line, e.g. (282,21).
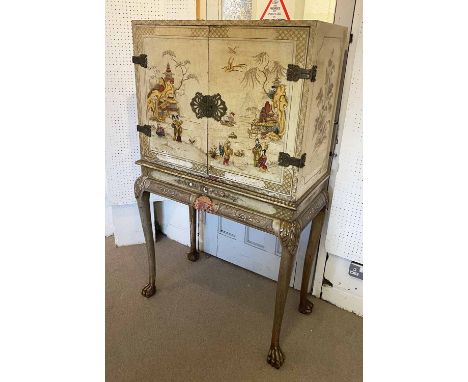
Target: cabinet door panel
(177,68)
(247,67)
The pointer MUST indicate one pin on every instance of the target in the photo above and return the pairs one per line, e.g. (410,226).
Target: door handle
(208,106)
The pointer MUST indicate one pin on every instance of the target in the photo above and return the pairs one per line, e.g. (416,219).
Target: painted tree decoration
(263,70)
(183,66)
(324,100)
(162,101)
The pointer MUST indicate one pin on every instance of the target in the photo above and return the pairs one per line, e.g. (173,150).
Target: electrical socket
(355,270)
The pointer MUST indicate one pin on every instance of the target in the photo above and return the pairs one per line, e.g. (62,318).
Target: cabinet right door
(247,67)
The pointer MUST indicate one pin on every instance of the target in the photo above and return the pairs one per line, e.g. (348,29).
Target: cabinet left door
(176,69)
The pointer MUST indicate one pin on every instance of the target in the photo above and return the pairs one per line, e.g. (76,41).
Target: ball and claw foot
(306,307)
(275,356)
(148,290)
(193,255)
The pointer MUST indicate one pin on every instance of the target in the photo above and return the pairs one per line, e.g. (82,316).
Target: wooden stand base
(288,231)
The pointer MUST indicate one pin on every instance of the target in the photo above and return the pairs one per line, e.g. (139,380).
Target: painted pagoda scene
(252,133)
(175,130)
(250,78)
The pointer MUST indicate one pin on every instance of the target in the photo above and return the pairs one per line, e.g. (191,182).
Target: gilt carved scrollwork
(314,208)
(289,234)
(206,189)
(246,217)
(140,184)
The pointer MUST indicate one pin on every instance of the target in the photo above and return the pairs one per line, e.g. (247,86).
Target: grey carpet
(211,321)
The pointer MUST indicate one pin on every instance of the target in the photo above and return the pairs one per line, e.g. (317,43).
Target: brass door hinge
(295,73)
(141,60)
(145,129)
(285,160)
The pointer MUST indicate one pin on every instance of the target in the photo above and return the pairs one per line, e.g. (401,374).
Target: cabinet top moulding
(255,23)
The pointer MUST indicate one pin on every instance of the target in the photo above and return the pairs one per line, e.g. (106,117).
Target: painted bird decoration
(192,140)
(232,50)
(230,67)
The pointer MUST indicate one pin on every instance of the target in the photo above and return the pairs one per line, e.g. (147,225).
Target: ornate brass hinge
(141,60)
(286,160)
(295,73)
(145,129)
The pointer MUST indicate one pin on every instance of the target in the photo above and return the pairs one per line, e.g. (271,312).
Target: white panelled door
(249,248)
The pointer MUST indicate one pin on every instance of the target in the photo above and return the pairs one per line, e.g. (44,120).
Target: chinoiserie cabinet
(237,118)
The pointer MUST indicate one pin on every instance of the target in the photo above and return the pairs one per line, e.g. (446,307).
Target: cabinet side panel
(328,46)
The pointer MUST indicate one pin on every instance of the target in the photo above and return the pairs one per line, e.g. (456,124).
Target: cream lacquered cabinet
(237,118)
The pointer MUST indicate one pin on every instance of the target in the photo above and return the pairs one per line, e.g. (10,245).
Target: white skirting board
(345,291)
(342,299)
(126,223)
(174,220)
(109,221)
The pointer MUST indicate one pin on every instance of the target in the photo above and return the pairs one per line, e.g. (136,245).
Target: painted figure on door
(227,152)
(221,149)
(177,126)
(258,151)
(262,160)
(213,151)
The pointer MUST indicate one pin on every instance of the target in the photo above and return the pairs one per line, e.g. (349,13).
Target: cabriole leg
(305,305)
(145,216)
(193,254)
(157,228)
(289,235)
